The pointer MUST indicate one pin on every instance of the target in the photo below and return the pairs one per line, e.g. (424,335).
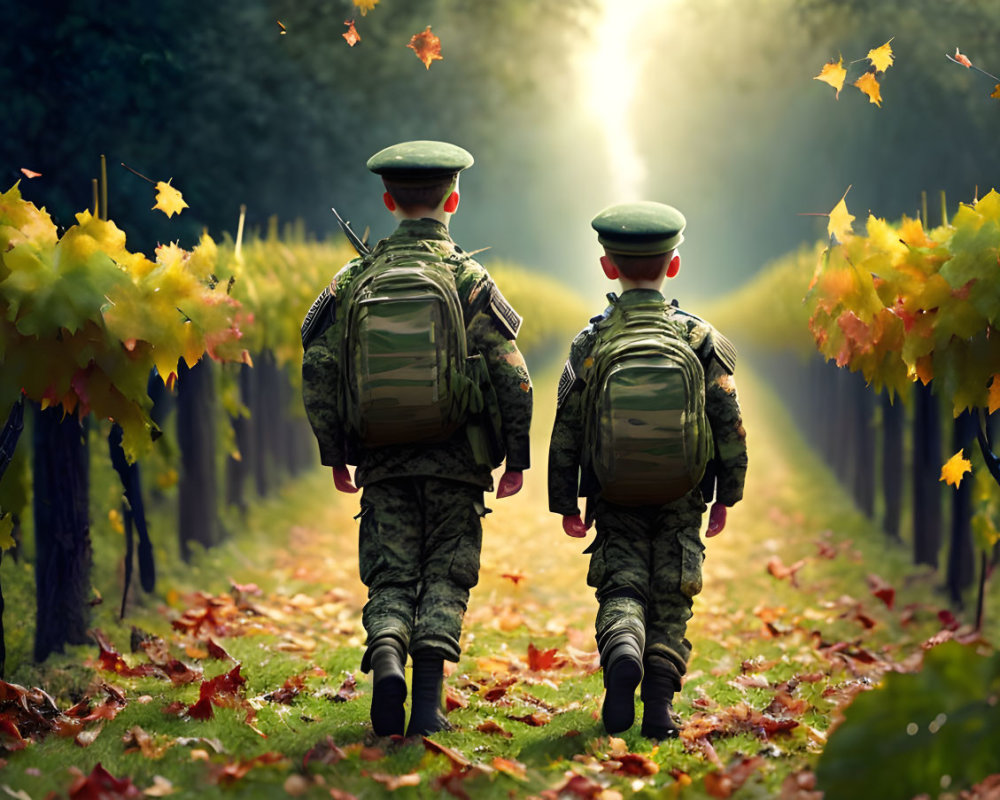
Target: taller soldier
(423,431)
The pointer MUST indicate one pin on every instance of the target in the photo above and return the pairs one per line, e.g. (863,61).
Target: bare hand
(574,526)
(342,480)
(716,520)
(510,483)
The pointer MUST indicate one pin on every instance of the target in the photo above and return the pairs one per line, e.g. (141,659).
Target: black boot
(622,660)
(660,681)
(426,715)
(388,659)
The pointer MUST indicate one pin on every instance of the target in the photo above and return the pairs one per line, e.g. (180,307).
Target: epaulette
(321,315)
(712,344)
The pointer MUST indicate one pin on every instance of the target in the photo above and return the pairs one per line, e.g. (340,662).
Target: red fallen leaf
(635,764)
(222,690)
(371,754)
(942,636)
(217,651)
(451,782)
(491,727)
(111,660)
(288,692)
(427,46)
(348,689)
(230,773)
(513,577)
(826,550)
(394,782)
(453,700)
(102,785)
(882,590)
(325,752)
(352,37)
(867,622)
(452,755)
(137,740)
(201,709)
(177,671)
(535,720)
(784,704)
(949,620)
(499,690)
(30,173)
(176,708)
(542,659)
(778,569)
(576,785)
(10,736)
(723,783)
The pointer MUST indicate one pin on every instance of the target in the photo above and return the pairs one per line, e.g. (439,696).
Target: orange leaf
(881,57)
(426,45)
(352,37)
(868,84)
(996,92)
(962,59)
(491,727)
(954,468)
(281,25)
(30,173)
(541,659)
(994,397)
(513,577)
(833,74)
(510,767)
(168,199)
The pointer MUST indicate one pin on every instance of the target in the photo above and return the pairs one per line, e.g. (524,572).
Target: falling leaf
(281,25)
(839,225)
(994,396)
(30,173)
(352,37)
(962,59)
(881,57)
(954,468)
(513,577)
(427,46)
(778,569)
(869,85)
(365,5)
(168,199)
(996,92)
(834,74)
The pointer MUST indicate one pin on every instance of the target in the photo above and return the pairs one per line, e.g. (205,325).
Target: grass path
(787,631)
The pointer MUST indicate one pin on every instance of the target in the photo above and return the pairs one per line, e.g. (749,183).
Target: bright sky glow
(609,72)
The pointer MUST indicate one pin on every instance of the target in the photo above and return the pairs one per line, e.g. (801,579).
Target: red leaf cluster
(539,660)
(102,785)
(211,615)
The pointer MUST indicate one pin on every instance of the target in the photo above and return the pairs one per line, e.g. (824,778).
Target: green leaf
(939,722)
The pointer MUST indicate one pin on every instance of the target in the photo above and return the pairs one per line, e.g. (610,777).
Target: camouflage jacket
(569,477)
(491,327)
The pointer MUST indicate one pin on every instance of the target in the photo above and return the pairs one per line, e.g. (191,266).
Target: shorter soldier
(411,372)
(647,422)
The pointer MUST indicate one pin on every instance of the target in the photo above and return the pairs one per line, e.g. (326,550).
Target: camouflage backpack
(647,435)
(404,350)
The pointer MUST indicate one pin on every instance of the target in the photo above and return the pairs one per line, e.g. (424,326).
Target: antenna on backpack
(359,244)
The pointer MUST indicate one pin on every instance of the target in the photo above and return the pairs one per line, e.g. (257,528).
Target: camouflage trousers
(646,567)
(419,544)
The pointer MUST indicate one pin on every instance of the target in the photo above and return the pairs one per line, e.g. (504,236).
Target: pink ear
(389,202)
(609,268)
(451,203)
(674,266)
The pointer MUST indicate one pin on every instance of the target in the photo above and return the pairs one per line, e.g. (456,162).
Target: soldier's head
(421,178)
(640,242)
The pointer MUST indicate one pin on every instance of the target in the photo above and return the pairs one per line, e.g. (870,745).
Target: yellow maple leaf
(881,57)
(839,225)
(833,74)
(954,468)
(365,5)
(168,199)
(996,92)
(868,84)
(994,397)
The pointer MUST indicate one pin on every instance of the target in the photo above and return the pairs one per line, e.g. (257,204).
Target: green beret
(639,229)
(420,160)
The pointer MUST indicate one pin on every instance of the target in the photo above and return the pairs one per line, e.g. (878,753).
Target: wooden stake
(923,208)
(104,188)
(97,198)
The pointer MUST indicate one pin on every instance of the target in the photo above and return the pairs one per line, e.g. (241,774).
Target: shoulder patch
(566,381)
(720,348)
(508,320)
(321,315)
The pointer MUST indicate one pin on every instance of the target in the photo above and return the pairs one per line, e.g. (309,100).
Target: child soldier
(645,400)
(409,356)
